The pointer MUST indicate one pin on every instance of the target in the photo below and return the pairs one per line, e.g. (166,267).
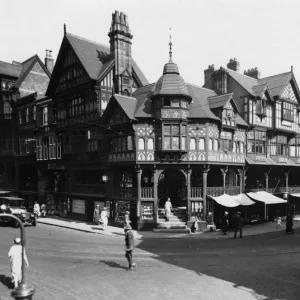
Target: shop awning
(233,201)
(265,197)
(295,195)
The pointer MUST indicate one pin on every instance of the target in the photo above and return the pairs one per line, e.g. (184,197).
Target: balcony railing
(219,190)
(147,193)
(196,193)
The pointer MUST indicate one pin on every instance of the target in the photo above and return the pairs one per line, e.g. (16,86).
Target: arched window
(234,147)
(210,144)
(201,144)
(241,147)
(150,144)
(192,144)
(216,145)
(141,144)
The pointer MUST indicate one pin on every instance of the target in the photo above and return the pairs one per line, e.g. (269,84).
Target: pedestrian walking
(129,246)
(15,255)
(127,218)
(278,222)
(168,207)
(96,217)
(103,218)
(37,209)
(238,223)
(289,223)
(225,223)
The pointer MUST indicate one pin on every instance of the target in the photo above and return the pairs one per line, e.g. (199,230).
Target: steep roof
(240,121)
(96,57)
(128,104)
(260,89)
(277,83)
(199,107)
(221,101)
(10,69)
(143,96)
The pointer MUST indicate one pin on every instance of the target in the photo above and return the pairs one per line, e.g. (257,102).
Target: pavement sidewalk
(117,231)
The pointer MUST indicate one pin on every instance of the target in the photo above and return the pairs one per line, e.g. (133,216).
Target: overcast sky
(259,33)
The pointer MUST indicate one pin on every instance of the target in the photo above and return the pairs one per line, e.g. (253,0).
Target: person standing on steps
(168,207)
(225,223)
(129,246)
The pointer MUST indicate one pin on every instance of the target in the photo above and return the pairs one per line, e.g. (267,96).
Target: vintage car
(15,206)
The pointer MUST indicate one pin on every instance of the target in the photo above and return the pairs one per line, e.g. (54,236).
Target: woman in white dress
(15,255)
(103,218)
(168,207)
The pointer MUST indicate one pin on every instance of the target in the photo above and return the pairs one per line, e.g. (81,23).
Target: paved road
(66,264)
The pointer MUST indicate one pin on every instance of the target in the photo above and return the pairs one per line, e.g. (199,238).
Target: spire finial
(170,44)
(292,69)
(65,29)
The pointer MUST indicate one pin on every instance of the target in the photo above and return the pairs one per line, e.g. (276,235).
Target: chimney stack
(254,73)
(208,72)
(49,61)
(233,65)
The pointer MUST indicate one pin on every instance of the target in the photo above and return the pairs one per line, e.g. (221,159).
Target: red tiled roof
(10,69)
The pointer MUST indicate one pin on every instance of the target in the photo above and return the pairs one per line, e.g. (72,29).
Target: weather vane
(170,44)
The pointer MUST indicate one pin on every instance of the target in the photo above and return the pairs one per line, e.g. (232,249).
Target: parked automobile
(15,206)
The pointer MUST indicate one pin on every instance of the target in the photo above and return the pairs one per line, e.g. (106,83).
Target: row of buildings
(90,129)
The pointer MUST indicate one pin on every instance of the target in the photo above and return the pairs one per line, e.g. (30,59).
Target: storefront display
(147,210)
(120,208)
(78,206)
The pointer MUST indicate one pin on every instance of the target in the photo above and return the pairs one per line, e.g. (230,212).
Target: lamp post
(23,291)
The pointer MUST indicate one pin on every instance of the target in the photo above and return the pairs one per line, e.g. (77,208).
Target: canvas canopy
(233,201)
(295,195)
(265,197)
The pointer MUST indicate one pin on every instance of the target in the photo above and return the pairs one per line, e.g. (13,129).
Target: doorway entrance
(172,184)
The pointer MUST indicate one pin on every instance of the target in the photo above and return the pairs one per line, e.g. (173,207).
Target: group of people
(100,217)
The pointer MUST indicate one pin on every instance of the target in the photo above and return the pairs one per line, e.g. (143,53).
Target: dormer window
(261,108)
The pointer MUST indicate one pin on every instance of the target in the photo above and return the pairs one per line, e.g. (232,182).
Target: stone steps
(176,223)
(173,230)
(169,225)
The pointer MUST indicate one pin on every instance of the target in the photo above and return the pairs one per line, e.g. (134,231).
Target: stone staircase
(177,223)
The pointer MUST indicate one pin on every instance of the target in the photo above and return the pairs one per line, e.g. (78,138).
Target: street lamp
(104,178)
(23,291)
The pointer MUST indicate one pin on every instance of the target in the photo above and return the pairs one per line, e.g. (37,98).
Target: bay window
(256,142)
(279,145)
(226,140)
(287,111)
(171,137)
(294,147)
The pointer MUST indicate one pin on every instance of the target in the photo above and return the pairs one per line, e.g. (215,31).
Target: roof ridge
(86,40)
(289,72)
(29,59)
(215,96)
(241,74)
(128,97)
(1,61)
(198,86)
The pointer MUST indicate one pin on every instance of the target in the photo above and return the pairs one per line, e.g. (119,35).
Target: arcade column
(139,187)
(205,170)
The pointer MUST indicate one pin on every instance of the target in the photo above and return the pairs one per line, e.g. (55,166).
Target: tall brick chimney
(49,61)
(254,73)
(208,72)
(233,65)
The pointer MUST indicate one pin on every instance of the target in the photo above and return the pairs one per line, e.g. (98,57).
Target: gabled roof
(128,105)
(277,83)
(259,90)
(144,104)
(240,121)
(245,81)
(8,69)
(96,57)
(221,101)
(27,65)
(199,107)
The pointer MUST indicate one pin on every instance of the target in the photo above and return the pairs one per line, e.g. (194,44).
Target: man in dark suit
(237,224)
(225,223)
(129,245)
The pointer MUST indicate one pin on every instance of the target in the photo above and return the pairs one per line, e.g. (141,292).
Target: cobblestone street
(67,264)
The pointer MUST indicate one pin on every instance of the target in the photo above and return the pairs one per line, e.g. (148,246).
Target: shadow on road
(112,264)
(6,281)
(249,263)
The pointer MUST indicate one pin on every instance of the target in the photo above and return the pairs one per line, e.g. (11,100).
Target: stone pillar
(155,187)
(17,172)
(241,175)
(224,171)
(205,170)
(267,180)
(189,211)
(139,186)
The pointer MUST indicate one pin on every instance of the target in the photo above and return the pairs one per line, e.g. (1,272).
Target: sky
(259,33)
